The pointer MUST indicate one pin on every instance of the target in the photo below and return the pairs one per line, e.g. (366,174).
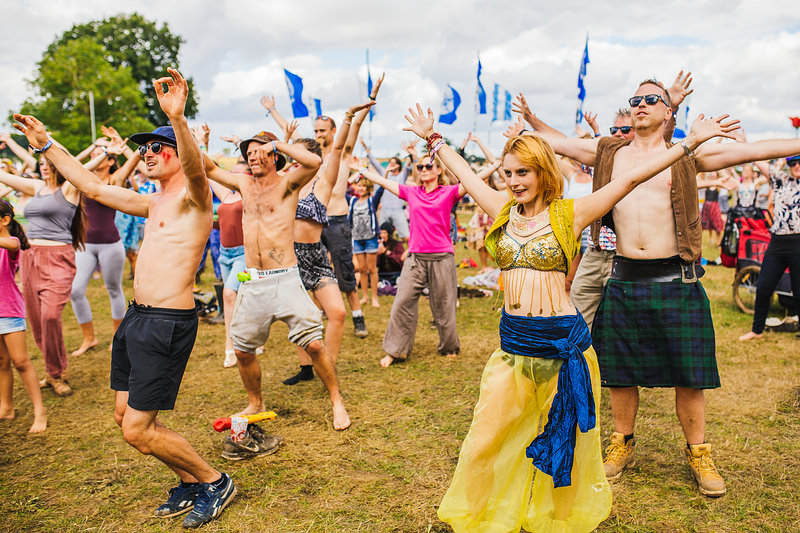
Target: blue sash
(558,337)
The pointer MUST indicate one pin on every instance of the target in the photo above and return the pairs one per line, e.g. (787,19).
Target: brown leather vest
(683,193)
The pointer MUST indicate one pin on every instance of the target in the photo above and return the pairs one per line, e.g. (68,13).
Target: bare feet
(230,359)
(375,302)
(451,355)
(7,413)
(251,410)
(387,361)
(39,423)
(362,301)
(341,420)
(750,336)
(85,347)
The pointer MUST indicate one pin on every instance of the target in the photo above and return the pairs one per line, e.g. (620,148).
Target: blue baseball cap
(793,158)
(164,134)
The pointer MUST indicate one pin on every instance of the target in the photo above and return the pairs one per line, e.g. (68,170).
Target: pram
(744,241)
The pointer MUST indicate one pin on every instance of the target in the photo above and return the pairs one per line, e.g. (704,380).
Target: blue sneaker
(181,500)
(210,502)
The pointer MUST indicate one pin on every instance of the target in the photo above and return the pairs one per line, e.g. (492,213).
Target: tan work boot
(619,456)
(59,385)
(703,470)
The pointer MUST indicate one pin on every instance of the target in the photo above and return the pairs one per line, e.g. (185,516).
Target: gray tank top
(50,217)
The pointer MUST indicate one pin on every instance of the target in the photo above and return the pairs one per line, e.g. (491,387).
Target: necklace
(526,226)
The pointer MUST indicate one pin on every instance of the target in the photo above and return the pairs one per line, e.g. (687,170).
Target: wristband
(686,149)
(44,148)
(598,134)
(268,112)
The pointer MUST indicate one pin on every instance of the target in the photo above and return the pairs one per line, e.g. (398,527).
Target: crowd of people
(598,239)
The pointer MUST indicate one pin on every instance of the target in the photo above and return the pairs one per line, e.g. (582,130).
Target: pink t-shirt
(11,303)
(429,218)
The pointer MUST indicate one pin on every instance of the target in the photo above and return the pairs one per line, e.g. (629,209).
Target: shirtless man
(275,290)
(153,343)
(653,326)
(337,236)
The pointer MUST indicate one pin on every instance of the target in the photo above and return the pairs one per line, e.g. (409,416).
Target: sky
(743,56)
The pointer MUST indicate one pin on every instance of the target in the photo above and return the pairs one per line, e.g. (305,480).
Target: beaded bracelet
(436,148)
(433,137)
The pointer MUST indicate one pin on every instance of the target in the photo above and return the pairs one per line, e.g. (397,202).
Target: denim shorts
(365,246)
(231,262)
(11,324)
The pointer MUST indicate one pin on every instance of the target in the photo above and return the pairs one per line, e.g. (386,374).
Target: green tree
(63,80)
(135,42)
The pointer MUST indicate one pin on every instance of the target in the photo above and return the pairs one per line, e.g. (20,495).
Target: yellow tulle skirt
(495,487)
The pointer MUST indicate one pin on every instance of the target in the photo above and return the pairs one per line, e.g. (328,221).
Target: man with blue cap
(153,343)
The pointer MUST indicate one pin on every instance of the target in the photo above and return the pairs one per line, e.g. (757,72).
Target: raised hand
(202,134)
(679,89)
(356,108)
(514,129)
(591,120)
(289,130)
(117,145)
(268,101)
(5,137)
(739,136)
(364,145)
(353,163)
(33,130)
(411,146)
(705,128)
(520,105)
(232,139)
(173,101)
(421,124)
(110,132)
(375,88)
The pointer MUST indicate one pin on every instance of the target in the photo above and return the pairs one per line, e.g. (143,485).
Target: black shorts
(149,355)
(315,267)
(338,239)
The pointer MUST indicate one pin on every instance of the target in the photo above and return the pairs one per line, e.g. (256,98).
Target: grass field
(388,472)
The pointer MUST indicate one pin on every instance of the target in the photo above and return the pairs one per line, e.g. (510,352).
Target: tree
(134,42)
(63,80)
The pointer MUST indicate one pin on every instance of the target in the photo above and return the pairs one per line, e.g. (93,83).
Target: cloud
(741,54)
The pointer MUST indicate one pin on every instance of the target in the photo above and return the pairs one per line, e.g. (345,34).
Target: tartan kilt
(651,334)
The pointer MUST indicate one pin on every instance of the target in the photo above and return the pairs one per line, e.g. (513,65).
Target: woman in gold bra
(545,372)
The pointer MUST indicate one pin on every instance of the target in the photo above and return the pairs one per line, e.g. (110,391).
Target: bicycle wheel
(744,288)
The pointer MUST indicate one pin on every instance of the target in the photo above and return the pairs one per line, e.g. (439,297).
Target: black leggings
(783,252)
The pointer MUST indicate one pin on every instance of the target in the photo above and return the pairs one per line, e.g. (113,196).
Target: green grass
(389,471)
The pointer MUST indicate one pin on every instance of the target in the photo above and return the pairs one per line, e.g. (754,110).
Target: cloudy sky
(743,54)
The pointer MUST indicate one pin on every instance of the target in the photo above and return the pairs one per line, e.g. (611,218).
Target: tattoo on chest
(276,256)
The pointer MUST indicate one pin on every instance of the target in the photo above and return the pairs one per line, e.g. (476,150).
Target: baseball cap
(164,134)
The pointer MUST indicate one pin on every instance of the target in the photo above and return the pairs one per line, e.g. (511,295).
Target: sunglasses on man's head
(623,129)
(426,166)
(155,147)
(649,99)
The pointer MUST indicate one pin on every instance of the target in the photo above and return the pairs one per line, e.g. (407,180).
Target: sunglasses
(649,99)
(623,129)
(427,166)
(792,162)
(155,147)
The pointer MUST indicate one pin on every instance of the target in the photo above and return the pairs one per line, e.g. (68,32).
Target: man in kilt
(653,327)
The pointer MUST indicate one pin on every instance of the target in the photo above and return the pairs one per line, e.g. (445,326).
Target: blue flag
(682,120)
(295,85)
(481,92)
(449,106)
(369,92)
(581,88)
(507,109)
(495,102)
(318,106)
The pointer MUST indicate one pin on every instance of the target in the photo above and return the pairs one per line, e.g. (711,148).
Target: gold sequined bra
(541,253)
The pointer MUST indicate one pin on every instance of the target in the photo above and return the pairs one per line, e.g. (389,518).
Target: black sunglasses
(426,166)
(649,99)
(154,147)
(623,129)
(792,162)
